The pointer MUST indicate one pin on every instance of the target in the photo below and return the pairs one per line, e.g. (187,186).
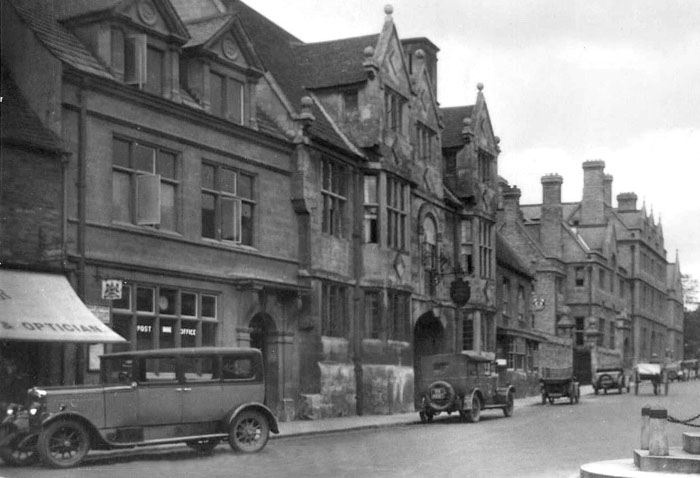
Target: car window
(199,369)
(237,368)
(158,370)
(118,371)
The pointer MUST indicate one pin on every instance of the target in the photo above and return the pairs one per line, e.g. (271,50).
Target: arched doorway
(428,339)
(262,334)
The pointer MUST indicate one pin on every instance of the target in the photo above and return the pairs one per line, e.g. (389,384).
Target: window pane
(208,334)
(144,299)
(198,368)
(237,368)
(188,304)
(121,324)
(117,47)
(125,302)
(247,224)
(370,189)
(120,153)
(144,158)
(188,333)
(121,197)
(229,226)
(245,186)
(167,207)
(216,88)
(208,216)
(159,369)
(209,306)
(227,181)
(154,79)
(144,333)
(168,329)
(208,176)
(165,164)
(235,101)
(167,301)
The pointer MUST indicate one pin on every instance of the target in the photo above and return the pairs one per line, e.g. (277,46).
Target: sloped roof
(65,9)
(334,63)
(193,9)
(201,31)
(19,124)
(533,212)
(506,256)
(453,120)
(276,49)
(60,42)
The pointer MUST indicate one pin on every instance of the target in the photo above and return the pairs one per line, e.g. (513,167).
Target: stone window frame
(334,195)
(229,78)
(334,309)
(398,207)
(371,224)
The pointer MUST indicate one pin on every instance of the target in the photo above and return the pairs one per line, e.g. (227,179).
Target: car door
(201,394)
(159,392)
(242,379)
(121,410)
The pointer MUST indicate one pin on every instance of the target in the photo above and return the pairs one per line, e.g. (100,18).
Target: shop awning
(42,307)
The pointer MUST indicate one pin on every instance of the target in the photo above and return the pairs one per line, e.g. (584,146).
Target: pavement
(337,424)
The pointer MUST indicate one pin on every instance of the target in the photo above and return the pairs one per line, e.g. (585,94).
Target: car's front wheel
(249,432)
(63,443)
(20,450)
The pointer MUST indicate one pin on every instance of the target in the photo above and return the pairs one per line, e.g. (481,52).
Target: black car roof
(183,351)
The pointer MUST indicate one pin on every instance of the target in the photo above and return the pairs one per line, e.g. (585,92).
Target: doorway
(262,337)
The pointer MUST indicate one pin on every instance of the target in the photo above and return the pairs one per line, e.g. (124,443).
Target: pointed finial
(480,86)
(388,9)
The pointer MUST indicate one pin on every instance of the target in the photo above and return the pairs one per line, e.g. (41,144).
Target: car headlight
(34,408)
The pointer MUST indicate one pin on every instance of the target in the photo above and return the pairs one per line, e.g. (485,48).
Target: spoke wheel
(20,451)
(474,413)
(249,432)
(63,443)
(203,446)
(508,409)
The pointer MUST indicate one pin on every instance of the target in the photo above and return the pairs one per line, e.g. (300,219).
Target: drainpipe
(357,291)
(82,180)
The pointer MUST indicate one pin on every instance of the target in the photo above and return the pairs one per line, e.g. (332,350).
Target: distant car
(466,383)
(610,379)
(199,396)
(675,371)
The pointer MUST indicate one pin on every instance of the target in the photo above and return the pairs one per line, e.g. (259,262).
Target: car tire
(450,393)
(20,451)
(510,405)
(203,447)
(426,417)
(63,443)
(474,412)
(249,432)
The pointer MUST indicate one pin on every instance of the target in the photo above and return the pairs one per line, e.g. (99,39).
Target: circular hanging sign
(537,303)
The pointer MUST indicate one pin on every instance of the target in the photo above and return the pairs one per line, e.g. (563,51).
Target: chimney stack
(592,203)
(607,187)
(626,202)
(552,215)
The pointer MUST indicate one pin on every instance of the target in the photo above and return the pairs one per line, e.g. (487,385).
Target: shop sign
(460,292)
(111,289)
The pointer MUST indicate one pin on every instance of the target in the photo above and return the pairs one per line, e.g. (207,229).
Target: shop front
(45,330)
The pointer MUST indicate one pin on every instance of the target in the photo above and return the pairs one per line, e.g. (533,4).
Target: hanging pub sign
(111,289)
(538,303)
(460,292)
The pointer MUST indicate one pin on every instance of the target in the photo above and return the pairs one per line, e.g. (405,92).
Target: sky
(565,82)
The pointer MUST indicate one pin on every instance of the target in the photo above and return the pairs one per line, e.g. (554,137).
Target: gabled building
(614,294)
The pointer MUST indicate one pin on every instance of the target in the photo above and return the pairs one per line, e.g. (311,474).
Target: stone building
(602,272)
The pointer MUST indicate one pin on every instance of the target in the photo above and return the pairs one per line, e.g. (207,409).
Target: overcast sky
(565,81)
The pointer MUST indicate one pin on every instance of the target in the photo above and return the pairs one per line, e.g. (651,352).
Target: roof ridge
(338,40)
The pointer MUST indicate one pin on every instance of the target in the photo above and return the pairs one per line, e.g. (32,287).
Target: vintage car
(559,383)
(675,371)
(199,396)
(610,378)
(465,382)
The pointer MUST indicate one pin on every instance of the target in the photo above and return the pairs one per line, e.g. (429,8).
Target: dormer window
(226,97)
(140,63)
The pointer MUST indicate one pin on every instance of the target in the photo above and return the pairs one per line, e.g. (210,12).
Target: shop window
(334,313)
(334,195)
(371,205)
(164,317)
(144,185)
(397,213)
(517,354)
(227,204)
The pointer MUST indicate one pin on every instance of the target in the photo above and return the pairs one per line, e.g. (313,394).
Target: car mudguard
(274,427)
